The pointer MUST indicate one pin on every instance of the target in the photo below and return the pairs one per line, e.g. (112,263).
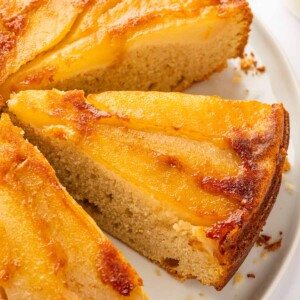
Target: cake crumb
(251,275)
(280,233)
(237,78)
(274,246)
(264,254)
(286,166)
(202,295)
(261,69)
(263,240)
(249,63)
(238,278)
(255,261)
(157,272)
(191,297)
(290,188)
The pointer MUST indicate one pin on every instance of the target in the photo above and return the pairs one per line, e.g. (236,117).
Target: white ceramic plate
(277,84)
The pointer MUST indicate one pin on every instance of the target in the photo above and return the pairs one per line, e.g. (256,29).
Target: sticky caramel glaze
(46,238)
(114,274)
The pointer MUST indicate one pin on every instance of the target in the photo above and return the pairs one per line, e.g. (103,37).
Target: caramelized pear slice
(49,247)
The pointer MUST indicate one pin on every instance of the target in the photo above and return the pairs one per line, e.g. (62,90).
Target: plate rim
(290,252)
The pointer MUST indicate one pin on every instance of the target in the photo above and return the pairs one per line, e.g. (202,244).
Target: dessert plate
(277,84)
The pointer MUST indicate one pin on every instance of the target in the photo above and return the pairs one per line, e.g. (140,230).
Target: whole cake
(49,247)
(118,45)
(187,181)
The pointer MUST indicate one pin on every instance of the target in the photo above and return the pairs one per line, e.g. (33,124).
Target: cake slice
(137,45)
(187,181)
(49,247)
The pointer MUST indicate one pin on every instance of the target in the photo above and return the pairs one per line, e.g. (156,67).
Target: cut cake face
(188,181)
(49,247)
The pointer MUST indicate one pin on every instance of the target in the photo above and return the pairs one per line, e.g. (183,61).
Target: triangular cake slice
(188,181)
(49,247)
(133,45)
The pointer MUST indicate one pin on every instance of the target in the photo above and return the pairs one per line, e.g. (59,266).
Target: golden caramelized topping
(97,33)
(49,247)
(117,275)
(210,159)
(27,28)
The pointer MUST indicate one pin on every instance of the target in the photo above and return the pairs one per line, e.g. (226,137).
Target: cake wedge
(188,181)
(49,247)
(133,45)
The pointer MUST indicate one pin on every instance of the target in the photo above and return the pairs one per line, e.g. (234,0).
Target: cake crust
(237,248)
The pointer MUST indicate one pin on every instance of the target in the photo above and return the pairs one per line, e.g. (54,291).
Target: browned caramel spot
(85,114)
(81,3)
(177,127)
(7,42)
(240,189)
(16,24)
(221,229)
(78,100)
(245,186)
(169,160)
(114,271)
(38,77)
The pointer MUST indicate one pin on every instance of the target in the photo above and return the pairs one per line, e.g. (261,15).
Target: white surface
(294,6)
(285,27)
(276,85)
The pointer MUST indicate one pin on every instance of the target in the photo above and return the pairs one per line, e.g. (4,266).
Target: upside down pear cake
(117,44)
(49,247)
(187,181)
